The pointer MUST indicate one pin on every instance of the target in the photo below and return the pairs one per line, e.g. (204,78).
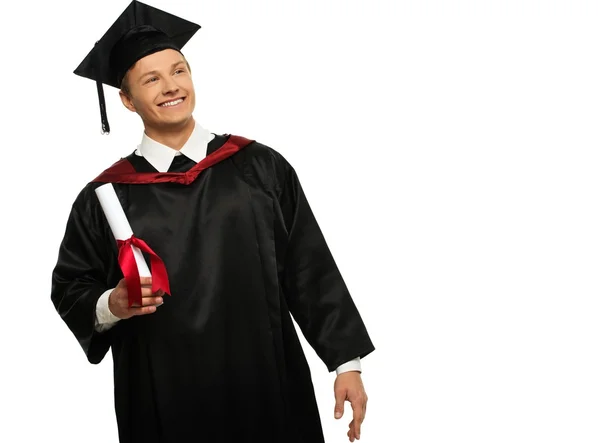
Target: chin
(175,121)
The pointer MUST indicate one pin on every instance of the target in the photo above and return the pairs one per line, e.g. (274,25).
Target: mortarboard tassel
(105,125)
(103,117)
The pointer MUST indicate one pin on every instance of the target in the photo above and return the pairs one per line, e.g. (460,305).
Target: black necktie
(181,163)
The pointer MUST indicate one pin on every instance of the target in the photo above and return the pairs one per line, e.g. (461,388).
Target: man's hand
(118,300)
(348,386)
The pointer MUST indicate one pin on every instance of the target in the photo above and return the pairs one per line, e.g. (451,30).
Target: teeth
(173,103)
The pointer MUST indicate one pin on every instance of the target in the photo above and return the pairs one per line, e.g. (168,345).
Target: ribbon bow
(160,279)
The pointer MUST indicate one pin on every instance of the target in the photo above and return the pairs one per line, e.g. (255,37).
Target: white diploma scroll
(119,224)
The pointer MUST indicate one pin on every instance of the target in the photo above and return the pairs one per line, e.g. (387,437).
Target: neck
(174,137)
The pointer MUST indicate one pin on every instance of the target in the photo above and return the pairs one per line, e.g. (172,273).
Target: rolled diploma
(119,224)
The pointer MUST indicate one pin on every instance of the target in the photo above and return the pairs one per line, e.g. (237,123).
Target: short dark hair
(125,85)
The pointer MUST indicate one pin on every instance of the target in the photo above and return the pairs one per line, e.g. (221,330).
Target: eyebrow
(156,72)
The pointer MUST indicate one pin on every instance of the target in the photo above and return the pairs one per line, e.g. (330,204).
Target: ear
(127,101)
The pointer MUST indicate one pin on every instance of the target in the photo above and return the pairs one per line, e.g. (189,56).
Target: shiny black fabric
(220,360)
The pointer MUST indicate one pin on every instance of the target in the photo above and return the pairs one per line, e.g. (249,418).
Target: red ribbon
(160,279)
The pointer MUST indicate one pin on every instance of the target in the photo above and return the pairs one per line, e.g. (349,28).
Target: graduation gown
(220,360)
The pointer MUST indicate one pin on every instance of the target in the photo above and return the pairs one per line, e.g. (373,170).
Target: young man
(209,352)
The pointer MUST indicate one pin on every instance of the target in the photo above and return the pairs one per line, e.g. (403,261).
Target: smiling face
(159,89)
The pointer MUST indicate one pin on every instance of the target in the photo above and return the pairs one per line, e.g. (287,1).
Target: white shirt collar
(161,156)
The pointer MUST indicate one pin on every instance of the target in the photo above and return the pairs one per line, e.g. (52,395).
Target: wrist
(104,312)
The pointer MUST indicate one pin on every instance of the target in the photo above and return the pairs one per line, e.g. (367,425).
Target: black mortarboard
(139,31)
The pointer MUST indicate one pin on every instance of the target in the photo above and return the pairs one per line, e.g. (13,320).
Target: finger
(357,415)
(338,411)
(124,293)
(355,429)
(147,292)
(142,311)
(149,301)
(145,281)
(351,433)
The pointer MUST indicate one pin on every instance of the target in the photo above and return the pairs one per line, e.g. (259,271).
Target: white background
(448,149)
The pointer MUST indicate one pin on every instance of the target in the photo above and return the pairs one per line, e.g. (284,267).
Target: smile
(172,103)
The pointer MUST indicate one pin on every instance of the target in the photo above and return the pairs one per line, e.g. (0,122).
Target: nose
(170,86)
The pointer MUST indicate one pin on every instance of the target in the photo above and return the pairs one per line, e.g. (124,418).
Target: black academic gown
(220,360)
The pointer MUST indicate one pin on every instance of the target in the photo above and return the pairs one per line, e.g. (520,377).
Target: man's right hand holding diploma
(118,300)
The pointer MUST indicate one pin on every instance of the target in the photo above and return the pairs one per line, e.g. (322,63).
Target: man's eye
(179,70)
(151,79)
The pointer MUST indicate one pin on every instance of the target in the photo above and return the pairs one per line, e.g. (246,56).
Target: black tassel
(105,125)
(103,117)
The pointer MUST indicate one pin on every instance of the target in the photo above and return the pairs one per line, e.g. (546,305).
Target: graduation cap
(139,31)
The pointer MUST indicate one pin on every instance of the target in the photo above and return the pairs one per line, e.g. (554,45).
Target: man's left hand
(348,386)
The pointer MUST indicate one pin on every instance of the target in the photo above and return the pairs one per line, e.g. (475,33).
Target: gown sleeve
(81,274)
(315,291)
